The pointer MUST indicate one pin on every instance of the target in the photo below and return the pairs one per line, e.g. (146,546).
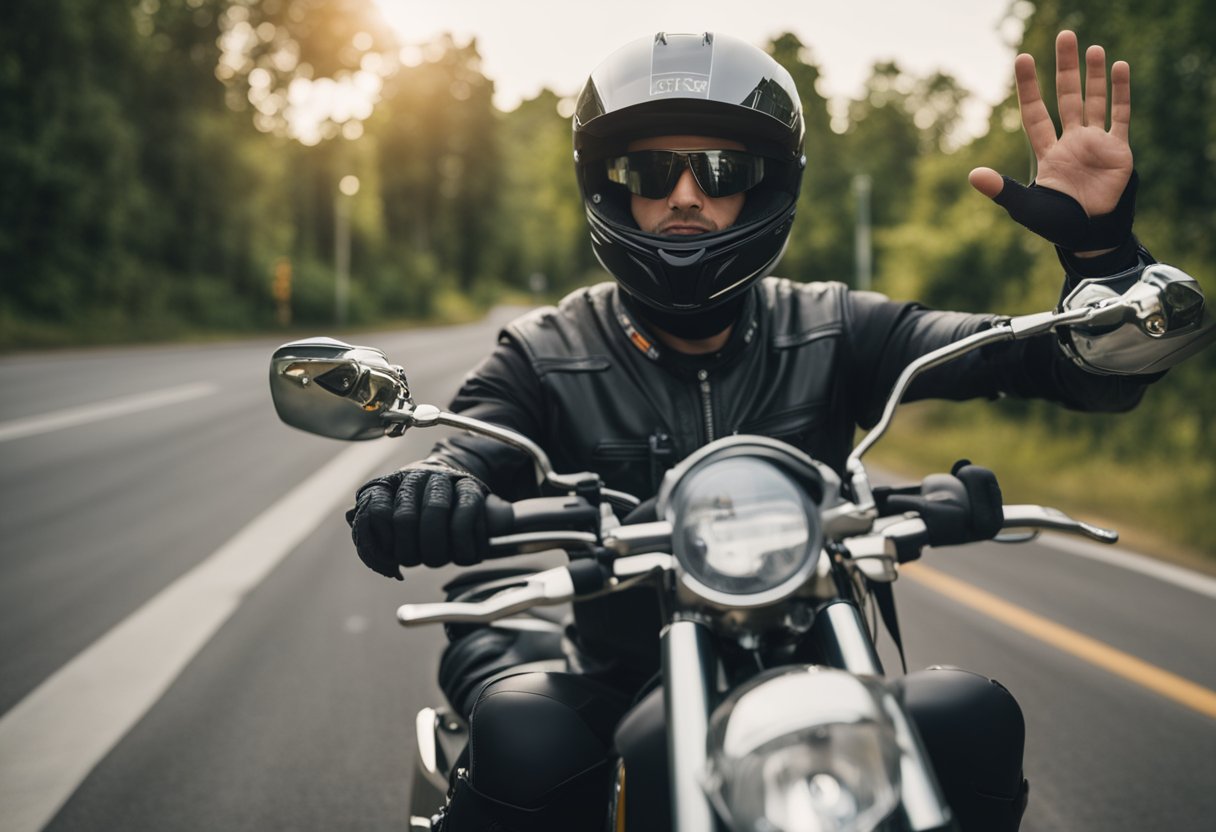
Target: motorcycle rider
(689,157)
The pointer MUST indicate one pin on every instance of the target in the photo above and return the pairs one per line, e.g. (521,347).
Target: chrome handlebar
(635,546)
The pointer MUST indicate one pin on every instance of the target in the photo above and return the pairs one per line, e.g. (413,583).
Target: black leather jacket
(806,363)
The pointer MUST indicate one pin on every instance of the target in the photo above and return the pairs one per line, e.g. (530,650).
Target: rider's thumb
(986,181)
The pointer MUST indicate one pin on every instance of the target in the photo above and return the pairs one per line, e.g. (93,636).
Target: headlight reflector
(742,527)
(831,778)
(804,750)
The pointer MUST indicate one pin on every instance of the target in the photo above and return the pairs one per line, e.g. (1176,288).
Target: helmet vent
(645,269)
(676,260)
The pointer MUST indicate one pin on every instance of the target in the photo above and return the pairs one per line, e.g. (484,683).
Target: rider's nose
(686,194)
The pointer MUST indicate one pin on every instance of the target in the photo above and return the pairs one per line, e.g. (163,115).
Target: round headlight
(742,528)
(804,749)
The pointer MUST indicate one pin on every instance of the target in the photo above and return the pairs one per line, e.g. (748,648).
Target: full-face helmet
(701,85)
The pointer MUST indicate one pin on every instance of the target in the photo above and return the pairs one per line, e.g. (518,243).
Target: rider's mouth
(680,229)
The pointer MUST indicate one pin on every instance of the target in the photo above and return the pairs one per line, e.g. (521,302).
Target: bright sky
(529,44)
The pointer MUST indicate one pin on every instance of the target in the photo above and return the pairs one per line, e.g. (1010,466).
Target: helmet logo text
(673,83)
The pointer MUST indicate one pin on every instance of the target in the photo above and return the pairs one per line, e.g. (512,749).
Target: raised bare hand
(1086,161)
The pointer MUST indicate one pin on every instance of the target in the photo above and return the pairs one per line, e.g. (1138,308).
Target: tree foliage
(961,252)
(158,158)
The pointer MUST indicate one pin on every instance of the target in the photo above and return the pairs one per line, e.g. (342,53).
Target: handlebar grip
(540,514)
(500,516)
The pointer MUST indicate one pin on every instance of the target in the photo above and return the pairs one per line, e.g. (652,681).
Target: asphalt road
(188,641)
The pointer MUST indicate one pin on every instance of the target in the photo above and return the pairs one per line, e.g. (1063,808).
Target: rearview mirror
(1169,322)
(328,387)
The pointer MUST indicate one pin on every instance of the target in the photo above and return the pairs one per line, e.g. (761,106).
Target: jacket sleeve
(883,337)
(503,390)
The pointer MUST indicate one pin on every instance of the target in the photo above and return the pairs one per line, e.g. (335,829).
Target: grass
(1159,505)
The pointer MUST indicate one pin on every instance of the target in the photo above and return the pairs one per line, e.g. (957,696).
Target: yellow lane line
(1183,691)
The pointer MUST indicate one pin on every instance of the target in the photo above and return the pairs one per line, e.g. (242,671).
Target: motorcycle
(771,568)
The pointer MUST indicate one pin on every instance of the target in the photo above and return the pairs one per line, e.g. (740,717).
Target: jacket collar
(635,330)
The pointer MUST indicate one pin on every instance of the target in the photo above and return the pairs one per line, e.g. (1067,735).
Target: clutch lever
(530,542)
(553,586)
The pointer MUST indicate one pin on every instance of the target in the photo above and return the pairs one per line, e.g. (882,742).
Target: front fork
(690,673)
(842,640)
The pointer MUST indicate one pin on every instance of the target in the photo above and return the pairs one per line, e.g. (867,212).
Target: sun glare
(308,109)
(415,21)
(322,108)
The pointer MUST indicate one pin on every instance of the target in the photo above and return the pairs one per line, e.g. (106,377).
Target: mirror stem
(996,334)
(426,415)
(1012,329)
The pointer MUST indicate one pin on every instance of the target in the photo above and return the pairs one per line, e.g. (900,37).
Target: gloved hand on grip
(960,507)
(423,514)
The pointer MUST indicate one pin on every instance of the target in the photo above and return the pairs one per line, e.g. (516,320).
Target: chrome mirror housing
(331,388)
(1157,322)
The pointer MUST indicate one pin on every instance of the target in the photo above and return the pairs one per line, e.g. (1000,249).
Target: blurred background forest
(166,170)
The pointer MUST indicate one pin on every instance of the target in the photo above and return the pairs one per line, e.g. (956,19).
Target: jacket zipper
(707,408)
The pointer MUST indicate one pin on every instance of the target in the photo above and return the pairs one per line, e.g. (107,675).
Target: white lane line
(73,416)
(52,739)
(1167,572)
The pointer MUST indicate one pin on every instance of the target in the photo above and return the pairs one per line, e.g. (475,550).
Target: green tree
(821,241)
(1171,48)
(439,159)
(936,103)
(884,142)
(71,199)
(542,228)
(218,221)
(958,250)
(131,194)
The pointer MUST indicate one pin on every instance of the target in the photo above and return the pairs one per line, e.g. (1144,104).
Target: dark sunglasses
(653,173)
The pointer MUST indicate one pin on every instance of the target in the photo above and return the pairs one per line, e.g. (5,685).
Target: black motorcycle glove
(423,514)
(1059,218)
(960,507)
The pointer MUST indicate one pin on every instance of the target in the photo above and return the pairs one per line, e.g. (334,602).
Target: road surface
(188,641)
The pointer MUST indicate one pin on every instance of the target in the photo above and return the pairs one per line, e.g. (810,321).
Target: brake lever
(901,539)
(1042,517)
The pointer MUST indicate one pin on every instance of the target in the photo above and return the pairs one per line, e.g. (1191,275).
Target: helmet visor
(653,174)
